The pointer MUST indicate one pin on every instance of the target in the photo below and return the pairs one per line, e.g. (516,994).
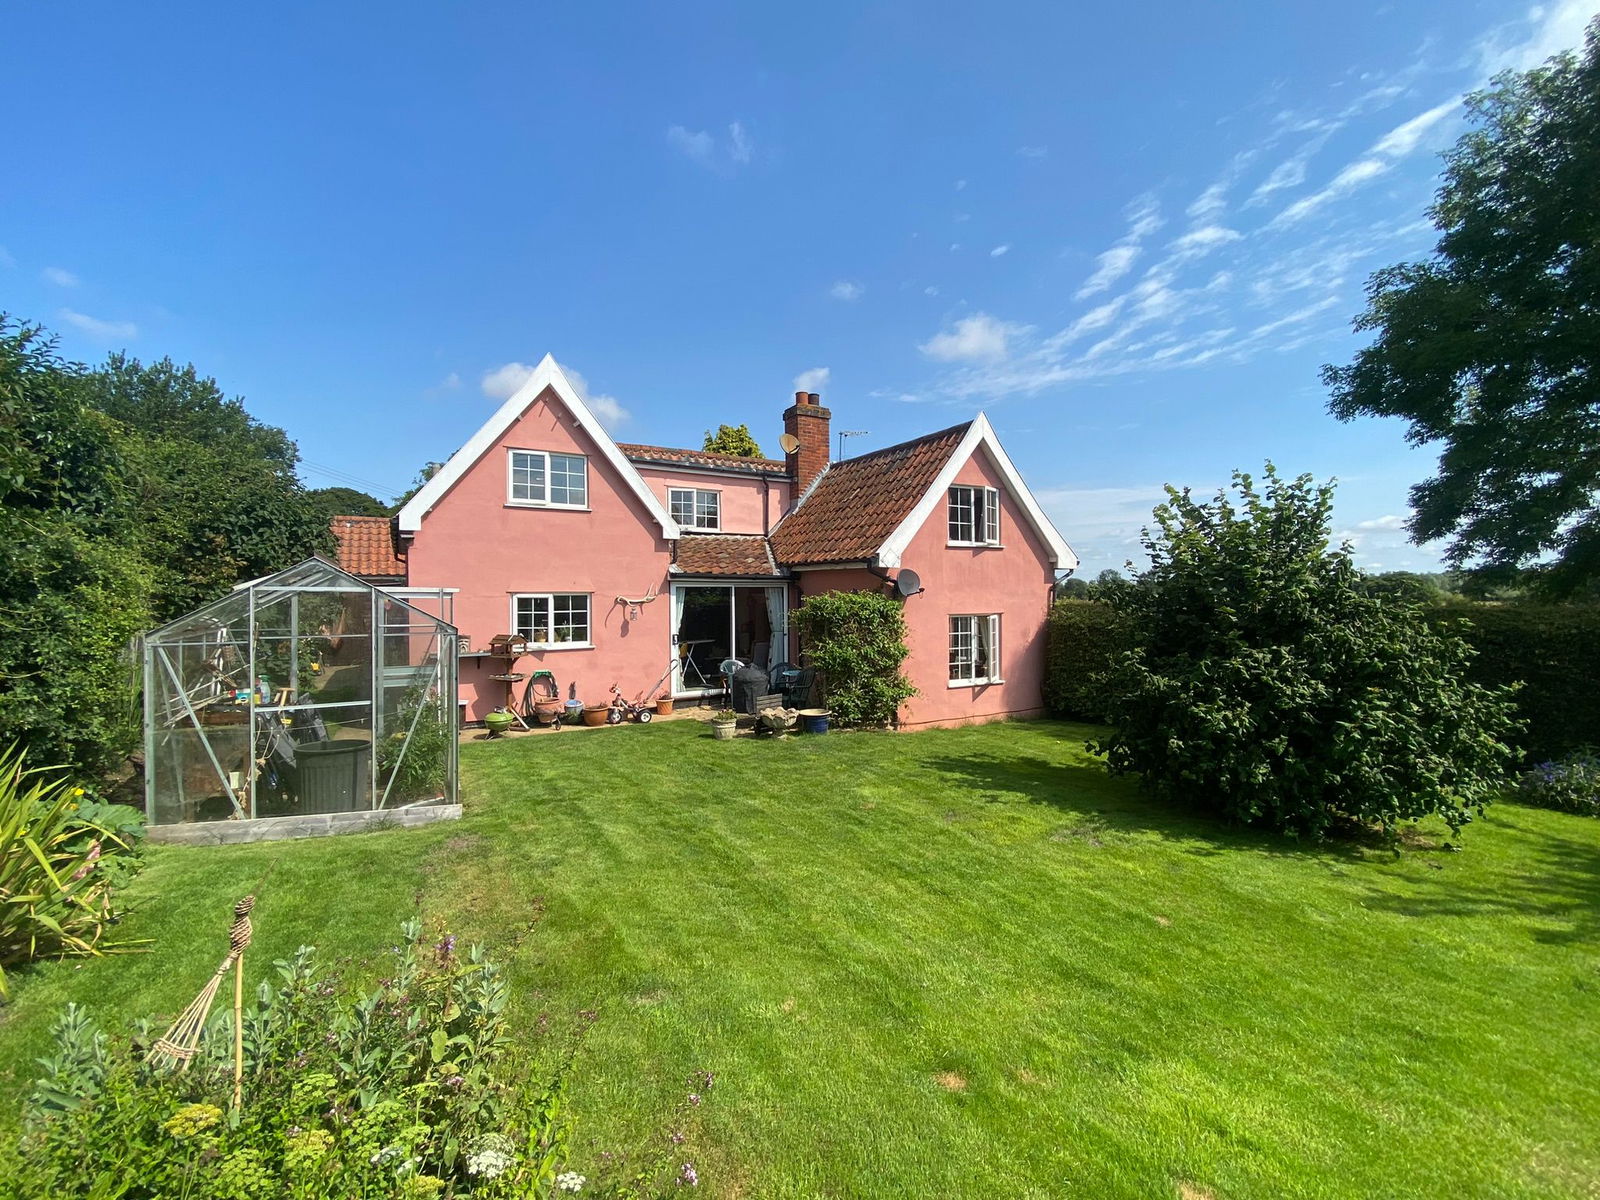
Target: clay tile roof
(703,458)
(368,546)
(859,502)
(723,554)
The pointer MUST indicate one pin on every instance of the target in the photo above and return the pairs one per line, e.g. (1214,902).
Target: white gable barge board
(547,374)
(981,433)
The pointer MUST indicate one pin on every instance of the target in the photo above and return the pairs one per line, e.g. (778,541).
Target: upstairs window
(974,650)
(694,508)
(554,480)
(558,619)
(974,516)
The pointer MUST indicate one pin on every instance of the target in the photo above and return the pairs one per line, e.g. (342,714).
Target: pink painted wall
(475,541)
(743,497)
(1013,579)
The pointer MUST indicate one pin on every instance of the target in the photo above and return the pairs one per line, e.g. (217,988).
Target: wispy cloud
(1033,152)
(1545,30)
(961,185)
(737,150)
(59,277)
(1144,218)
(502,382)
(814,379)
(1402,140)
(847,290)
(1291,172)
(105,331)
(978,338)
(1001,250)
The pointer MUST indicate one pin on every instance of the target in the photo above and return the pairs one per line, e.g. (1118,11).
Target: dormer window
(974,516)
(695,508)
(546,479)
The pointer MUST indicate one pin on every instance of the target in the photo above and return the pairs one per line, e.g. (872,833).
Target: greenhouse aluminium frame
(308,691)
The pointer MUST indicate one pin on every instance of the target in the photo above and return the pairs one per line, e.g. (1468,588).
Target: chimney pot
(799,397)
(814,397)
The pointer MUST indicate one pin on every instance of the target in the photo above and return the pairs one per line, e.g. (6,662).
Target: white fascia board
(547,374)
(980,433)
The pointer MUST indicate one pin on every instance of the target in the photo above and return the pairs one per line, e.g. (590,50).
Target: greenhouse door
(714,622)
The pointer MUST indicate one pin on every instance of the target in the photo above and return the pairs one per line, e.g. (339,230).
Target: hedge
(1085,636)
(1554,652)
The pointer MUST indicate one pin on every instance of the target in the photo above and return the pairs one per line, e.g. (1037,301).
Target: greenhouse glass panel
(305,692)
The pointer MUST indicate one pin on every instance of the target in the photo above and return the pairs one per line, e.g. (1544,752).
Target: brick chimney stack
(809,422)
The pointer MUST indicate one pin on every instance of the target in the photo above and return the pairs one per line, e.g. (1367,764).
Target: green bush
(857,643)
(413,1088)
(1086,638)
(61,857)
(1267,683)
(1553,652)
(1566,785)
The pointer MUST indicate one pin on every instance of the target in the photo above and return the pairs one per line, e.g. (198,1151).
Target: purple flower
(694,1097)
(676,1138)
(687,1176)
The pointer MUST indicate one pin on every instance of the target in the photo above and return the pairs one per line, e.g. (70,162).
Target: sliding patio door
(712,623)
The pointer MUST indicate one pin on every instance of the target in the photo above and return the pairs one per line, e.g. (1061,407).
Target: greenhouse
(302,694)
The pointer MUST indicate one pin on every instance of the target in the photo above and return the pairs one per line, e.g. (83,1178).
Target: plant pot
(595,714)
(724,730)
(814,720)
(664,706)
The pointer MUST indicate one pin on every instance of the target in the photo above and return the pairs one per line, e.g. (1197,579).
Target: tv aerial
(850,433)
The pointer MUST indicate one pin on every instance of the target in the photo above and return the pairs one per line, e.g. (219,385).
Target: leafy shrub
(419,730)
(1566,785)
(1266,683)
(1553,652)
(1085,639)
(857,643)
(60,860)
(411,1089)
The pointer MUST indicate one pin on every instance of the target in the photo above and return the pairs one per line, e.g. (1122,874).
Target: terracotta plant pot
(595,714)
(664,706)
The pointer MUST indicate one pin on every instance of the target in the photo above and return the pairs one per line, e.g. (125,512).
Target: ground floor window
(975,649)
(552,619)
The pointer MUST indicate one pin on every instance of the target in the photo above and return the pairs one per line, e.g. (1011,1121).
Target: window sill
(974,546)
(554,507)
(973,683)
(542,647)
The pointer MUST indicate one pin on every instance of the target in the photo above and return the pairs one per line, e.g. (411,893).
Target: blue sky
(1130,233)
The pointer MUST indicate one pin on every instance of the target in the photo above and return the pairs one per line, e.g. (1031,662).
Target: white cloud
(813,380)
(450,383)
(1291,172)
(930,290)
(961,185)
(1110,266)
(1203,240)
(978,338)
(607,409)
(1546,30)
(59,276)
(846,290)
(998,251)
(697,144)
(503,381)
(1144,218)
(1033,151)
(109,331)
(702,147)
(1390,521)
(1403,139)
(740,147)
(1210,204)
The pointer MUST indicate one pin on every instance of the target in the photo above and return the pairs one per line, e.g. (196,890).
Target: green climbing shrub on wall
(857,643)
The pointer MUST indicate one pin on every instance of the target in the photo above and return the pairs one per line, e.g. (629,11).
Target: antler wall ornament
(633,606)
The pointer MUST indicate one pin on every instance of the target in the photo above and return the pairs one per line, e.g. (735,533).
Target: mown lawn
(965,964)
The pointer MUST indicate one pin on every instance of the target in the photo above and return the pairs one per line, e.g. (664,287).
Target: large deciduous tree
(733,439)
(1267,683)
(1491,347)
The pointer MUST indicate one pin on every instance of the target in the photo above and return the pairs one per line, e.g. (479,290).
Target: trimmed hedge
(1085,637)
(1553,651)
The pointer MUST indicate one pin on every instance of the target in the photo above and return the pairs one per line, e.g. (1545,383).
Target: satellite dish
(789,442)
(907,583)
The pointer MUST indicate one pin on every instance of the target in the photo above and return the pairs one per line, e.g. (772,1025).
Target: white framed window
(546,478)
(552,620)
(695,508)
(975,650)
(974,516)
